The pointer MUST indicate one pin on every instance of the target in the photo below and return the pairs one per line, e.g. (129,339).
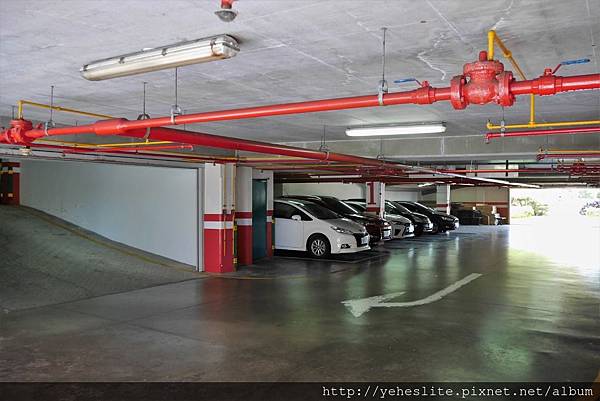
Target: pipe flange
(547,85)
(456,92)
(425,95)
(505,97)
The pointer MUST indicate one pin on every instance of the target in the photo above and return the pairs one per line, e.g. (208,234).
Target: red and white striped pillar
(219,208)
(442,198)
(243,215)
(267,175)
(10,176)
(375,197)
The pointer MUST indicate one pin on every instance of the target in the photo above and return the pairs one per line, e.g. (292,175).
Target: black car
(378,228)
(421,222)
(468,217)
(442,222)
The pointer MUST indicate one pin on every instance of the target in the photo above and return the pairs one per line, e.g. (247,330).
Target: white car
(401,226)
(305,226)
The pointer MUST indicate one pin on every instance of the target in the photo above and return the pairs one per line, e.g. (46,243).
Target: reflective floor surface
(528,311)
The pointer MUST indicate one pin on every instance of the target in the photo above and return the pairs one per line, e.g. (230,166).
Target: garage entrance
(259,219)
(572,205)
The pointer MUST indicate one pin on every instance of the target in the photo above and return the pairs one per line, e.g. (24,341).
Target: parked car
(402,227)
(421,222)
(468,217)
(378,228)
(306,226)
(442,222)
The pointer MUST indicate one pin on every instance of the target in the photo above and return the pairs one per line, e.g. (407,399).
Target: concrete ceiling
(301,50)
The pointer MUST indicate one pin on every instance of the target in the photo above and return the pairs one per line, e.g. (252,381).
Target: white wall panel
(151,208)
(339,190)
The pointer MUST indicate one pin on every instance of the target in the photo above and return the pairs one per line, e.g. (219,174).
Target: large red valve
(483,81)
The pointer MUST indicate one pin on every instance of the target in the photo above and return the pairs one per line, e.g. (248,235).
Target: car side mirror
(296,217)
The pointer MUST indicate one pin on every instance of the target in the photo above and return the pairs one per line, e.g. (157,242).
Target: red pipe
(539,132)
(222,142)
(504,170)
(487,82)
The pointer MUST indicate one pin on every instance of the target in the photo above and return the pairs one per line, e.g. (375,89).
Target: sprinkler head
(226,14)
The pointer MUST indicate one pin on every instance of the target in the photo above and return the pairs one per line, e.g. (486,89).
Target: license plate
(364,240)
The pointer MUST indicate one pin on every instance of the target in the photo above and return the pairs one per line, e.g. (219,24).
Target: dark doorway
(259,219)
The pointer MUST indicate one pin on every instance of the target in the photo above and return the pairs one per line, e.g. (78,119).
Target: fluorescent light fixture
(160,58)
(335,176)
(428,184)
(398,129)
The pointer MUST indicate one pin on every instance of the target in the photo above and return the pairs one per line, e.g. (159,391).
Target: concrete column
(267,175)
(442,198)
(10,174)
(375,197)
(219,208)
(243,215)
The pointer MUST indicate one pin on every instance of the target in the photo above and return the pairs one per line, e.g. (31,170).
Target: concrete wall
(339,190)
(151,208)
(483,195)
(401,195)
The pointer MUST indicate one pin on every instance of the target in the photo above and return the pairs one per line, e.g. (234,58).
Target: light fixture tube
(335,176)
(404,129)
(160,58)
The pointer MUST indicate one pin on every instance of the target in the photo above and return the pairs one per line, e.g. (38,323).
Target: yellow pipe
(125,144)
(532,109)
(20,104)
(549,152)
(93,146)
(542,125)
(494,38)
(490,52)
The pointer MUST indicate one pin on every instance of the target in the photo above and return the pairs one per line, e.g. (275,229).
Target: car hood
(421,218)
(442,214)
(347,224)
(396,218)
(365,218)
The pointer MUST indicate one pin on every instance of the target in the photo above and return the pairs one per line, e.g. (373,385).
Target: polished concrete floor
(532,314)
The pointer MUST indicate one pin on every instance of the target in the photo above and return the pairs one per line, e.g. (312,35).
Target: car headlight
(341,230)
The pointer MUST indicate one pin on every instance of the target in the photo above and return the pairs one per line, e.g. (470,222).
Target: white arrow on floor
(359,306)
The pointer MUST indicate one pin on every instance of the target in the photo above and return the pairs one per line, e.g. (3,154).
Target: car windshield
(401,208)
(359,207)
(423,207)
(392,208)
(339,207)
(317,211)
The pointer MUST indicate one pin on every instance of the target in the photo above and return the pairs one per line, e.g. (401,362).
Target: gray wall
(151,208)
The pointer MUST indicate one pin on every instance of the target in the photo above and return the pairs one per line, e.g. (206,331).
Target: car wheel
(318,246)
